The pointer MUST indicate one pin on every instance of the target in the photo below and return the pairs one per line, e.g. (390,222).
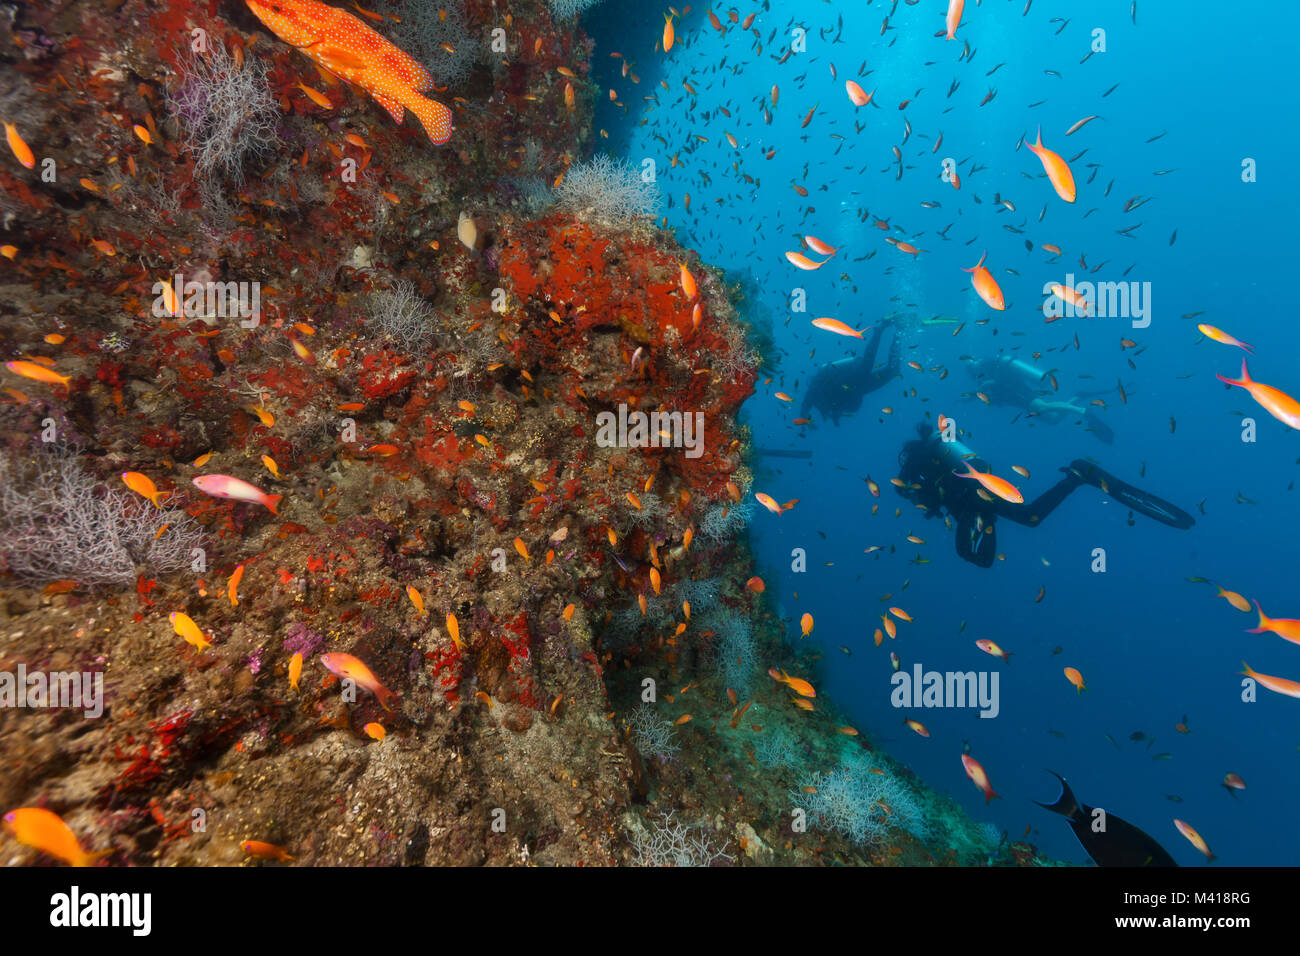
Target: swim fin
(1140,501)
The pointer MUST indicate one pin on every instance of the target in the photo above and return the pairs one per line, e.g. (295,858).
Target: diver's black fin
(1140,501)
(1065,804)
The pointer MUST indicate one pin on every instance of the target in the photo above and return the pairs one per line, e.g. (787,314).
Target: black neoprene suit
(929,469)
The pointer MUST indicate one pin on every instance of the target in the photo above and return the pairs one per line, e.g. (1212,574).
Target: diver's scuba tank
(954,453)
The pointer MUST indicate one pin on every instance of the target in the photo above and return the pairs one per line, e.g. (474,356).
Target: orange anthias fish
(1233,598)
(350,668)
(344,45)
(799,260)
(1195,839)
(1218,335)
(836,326)
(1273,400)
(1057,169)
(978,777)
(45,831)
(993,484)
(796,684)
(985,285)
(1278,685)
(857,94)
(953,20)
(265,851)
(39,373)
(1284,627)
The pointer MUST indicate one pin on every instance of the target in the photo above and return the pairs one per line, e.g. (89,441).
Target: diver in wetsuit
(839,387)
(929,468)
(1011,381)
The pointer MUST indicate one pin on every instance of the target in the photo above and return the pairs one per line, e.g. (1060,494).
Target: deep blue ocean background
(1152,646)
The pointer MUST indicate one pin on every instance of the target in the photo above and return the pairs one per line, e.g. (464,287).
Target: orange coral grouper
(345,46)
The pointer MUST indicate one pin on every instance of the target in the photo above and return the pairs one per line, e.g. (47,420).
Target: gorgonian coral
(57,522)
(227,112)
(564,9)
(607,189)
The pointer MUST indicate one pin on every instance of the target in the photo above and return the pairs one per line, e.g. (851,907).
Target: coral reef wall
(421,638)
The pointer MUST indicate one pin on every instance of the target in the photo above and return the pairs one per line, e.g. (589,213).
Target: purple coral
(302,640)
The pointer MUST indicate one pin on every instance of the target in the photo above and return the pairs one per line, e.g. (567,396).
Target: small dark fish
(1120,844)
(1173,238)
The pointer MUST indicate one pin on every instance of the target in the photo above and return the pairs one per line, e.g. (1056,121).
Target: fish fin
(90,859)
(433,116)
(273,503)
(395,109)
(1263,619)
(1242,382)
(338,60)
(1065,804)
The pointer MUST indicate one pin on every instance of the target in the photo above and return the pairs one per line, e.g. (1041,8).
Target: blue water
(1152,647)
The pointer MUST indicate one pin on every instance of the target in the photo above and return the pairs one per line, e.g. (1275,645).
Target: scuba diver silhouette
(929,468)
(1011,381)
(839,387)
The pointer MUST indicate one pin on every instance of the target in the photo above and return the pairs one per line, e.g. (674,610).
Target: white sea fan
(852,800)
(736,652)
(59,522)
(608,189)
(652,734)
(228,113)
(564,9)
(669,843)
(437,34)
(403,317)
